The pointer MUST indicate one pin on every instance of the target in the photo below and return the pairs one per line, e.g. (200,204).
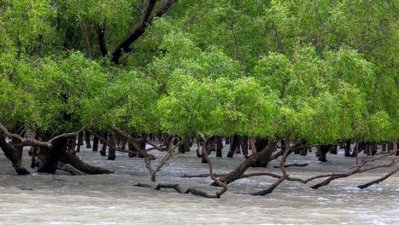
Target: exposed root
(77,163)
(69,168)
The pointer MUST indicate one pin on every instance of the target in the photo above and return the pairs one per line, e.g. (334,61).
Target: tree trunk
(260,144)
(262,156)
(334,150)
(244,145)
(80,141)
(73,160)
(101,40)
(87,139)
(132,151)
(185,145)
(104,146)
(51,156)
(323,152)
(111,150)
(95,144)
(14,155)
(234,144)
(348,148)
(219,146)
(85,38)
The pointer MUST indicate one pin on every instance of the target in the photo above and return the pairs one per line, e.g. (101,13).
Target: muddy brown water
(113,199)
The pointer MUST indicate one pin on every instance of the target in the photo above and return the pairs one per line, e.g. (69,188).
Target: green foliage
(223,107)
(314,70)
(181,53)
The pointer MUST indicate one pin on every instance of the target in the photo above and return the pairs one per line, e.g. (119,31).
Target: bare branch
(377,181)
(24,141)
(358,169)
(214,178)
(282,168)
(131,141)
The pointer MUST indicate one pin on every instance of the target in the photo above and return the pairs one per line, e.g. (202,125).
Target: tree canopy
(314,70)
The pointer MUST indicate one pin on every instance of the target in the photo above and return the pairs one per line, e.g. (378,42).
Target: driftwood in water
(176,187)
(294,165)
(200,175)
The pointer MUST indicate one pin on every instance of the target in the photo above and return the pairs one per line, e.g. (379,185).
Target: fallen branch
(377,181)
(176,187)
(200,175)
(357,169)
(294,165)
(274,176)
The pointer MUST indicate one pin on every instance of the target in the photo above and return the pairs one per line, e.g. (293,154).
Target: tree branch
(139,29)
(282,168)
(214,178)
(377,181)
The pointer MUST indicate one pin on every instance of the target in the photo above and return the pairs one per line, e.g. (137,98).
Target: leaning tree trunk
(260,144)
(51,157)
(14,154)
(74,161)
(262,156)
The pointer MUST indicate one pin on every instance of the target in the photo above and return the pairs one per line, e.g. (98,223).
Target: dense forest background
(314,72)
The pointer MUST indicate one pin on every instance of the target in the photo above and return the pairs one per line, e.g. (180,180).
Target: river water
(113,199)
